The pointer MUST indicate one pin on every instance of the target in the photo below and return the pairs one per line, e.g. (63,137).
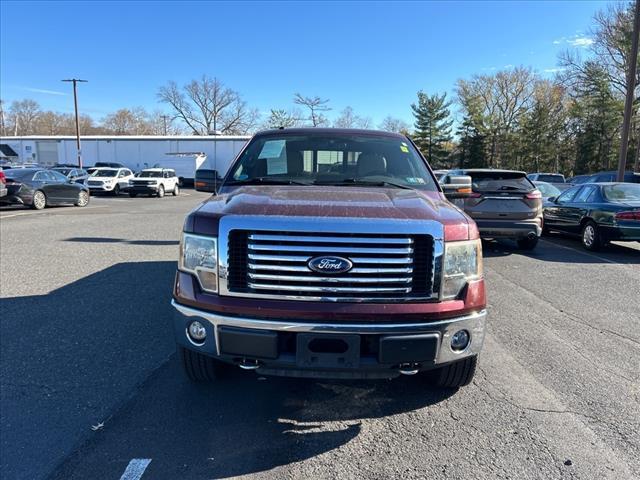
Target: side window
(585,194)
(165,174)
(56,176)
(568,195)
(40,177)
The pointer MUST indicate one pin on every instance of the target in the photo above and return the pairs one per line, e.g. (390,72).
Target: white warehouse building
(135,152)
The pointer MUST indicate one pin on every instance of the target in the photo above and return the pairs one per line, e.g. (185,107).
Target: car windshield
(332,159)
(104,173)
(491,181)
(550,178)
(622,193)
(547,189)
(64,171)
(19,174)
(150,174)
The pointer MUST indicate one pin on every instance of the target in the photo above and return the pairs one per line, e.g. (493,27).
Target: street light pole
(631,84)
(75,103)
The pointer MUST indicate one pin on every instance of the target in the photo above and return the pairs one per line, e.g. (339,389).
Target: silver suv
(504,204)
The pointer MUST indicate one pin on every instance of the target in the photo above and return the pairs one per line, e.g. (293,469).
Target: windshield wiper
(367,183)
(265,181)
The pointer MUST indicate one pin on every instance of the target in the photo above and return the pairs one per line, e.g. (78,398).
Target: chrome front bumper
(442,329)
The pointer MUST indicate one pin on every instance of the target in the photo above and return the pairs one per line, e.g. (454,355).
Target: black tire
(527,243)
(39,200)
(83,199)
(116,190)
(198,367)
(133,195)
(160,191)
(590,236)
(457,374)
(176,190)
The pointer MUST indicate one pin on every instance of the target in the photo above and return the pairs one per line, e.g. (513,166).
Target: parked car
(109,180)
(109,165)
(612,176)
(154,181)
(440,174)
(547,190)
(3,184)
(578,179)
(597,212)
(207,180)
(546,177)
(39,188)
(330,253)
(74,174)
(90,170)
(504,204)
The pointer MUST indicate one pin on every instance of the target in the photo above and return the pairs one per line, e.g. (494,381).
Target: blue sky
(373,56)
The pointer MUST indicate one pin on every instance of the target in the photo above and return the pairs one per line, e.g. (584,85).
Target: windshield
(19,174)
(150,174)
(326,159)
(550,178)
(490,181)
(547,189)
(64,171)
(622,193)
(104,173)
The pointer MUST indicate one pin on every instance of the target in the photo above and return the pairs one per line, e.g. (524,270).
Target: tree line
(513,118)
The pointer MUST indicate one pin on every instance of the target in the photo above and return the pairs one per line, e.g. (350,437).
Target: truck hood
(329,201)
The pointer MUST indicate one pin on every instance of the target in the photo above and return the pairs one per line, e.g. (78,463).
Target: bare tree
(391,124)
(126,121)
(283,119)
(207,106)
(316,106)
(348,119)
(23,116)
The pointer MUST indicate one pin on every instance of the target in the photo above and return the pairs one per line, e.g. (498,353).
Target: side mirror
(457,186)
(207,181)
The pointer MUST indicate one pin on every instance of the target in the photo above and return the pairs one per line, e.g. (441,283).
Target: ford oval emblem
(330,264)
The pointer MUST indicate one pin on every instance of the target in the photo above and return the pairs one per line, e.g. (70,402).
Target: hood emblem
(326,264)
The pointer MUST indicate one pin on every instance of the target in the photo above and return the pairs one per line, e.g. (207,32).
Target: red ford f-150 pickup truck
(330,253)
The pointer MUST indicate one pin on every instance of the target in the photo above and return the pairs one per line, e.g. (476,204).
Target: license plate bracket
(327,351)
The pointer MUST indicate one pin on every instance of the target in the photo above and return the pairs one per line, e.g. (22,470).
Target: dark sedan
(597,212)
(39,188)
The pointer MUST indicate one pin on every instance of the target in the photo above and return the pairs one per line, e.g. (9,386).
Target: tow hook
(247,364)
(409,368)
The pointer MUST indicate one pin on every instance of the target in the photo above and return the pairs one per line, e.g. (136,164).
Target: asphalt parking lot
(91,387)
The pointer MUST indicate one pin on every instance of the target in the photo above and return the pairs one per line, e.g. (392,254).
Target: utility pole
(75,103)
(164,121)
(631,84)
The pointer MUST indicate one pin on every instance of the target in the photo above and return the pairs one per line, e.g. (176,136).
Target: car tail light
(200,184)
(631,215)
(533,195)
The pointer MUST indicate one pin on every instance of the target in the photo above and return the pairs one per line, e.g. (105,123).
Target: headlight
(199,256)
(462,263)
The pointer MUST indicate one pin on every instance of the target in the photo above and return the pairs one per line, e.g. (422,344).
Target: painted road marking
(22,214)
(585,253)
(135,469)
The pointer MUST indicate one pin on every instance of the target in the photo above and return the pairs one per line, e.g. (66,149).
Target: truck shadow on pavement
(70,357)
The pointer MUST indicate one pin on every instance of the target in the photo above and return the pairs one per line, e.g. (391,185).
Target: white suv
(154,181)
(109,180)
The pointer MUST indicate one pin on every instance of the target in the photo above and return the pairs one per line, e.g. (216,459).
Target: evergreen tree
(432,127)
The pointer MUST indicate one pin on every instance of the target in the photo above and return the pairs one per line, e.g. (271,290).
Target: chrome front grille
(275,264)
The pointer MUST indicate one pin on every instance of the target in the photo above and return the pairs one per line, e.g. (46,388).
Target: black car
(109,165)
(38,188)
(78,175)
(597,212)
(610,176)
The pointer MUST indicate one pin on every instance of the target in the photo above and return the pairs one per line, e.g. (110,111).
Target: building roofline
(128,137)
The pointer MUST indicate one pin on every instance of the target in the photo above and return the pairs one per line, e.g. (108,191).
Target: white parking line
(583,253)
(135,469)
(22,214)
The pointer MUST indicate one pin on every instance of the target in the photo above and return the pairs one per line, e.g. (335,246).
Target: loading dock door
(47,153)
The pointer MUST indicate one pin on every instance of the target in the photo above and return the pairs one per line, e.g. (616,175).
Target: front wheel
(591,239)
(161,191)
(39,200)
(527,243)
(457,374)
(176,190)
(83,199)
(199,367)
(116,190)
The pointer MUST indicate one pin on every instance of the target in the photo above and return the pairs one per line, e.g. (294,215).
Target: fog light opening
(196,333)
(460,340)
